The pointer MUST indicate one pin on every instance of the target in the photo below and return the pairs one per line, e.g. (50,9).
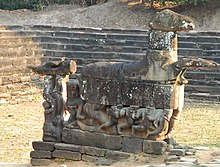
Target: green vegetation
(173,3)
(40,4)
(30,4)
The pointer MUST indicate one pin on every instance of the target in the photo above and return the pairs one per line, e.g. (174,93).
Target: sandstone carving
(57,74)
(150,92)
(141,99)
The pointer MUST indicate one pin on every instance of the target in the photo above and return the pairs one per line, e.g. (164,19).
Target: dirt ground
(113,14)
(22,123)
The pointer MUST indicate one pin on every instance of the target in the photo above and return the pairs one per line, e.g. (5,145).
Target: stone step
(81,33)
(210,39)
(6,81)
(88,41)
(86,29)
(127,49)
(108,55)
(203,75)
(83,61)
(94,29)
(94,55)
(103,35)
(94,48)
(190,51)
(16,54)
(203,96)
(212,52)
(20,62)
(9,33)
(13,71)
(203,89)
(199,45)
(214,83)
(18,40)
(20,47)
(74,34)
(200,33)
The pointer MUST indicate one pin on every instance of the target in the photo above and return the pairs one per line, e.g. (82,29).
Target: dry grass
(199,124)
(21,124)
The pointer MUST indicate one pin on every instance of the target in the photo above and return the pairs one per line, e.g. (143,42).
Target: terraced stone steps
(88,45)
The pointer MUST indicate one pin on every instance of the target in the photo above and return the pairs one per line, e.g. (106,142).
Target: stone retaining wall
(31,45)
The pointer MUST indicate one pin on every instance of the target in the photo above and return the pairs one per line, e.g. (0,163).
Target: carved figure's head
(167,20)
(197,63)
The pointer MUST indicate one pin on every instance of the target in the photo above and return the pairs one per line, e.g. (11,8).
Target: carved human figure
(128,113)
(54,108)
(155,122)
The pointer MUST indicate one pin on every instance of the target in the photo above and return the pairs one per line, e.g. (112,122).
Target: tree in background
(176,2)
(40,4)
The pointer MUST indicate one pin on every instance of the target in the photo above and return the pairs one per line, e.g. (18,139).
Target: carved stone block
(105,92)
(41,145)
(163,96)
(154,147)
(94,151)
(137,93)
(132,145)
(89,158)
(67,147)
(40,162)
(178,152)
(116,155)
(76,156)
(40,154)
(75,136)
(159,40)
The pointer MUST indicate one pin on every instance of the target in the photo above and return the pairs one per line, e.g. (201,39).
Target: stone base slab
(44,152)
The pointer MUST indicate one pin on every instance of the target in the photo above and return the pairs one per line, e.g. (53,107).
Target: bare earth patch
(113,14)
(20,124)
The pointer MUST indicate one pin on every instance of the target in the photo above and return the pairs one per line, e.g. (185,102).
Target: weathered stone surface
(95,139)
(163,96)
(132,145)
(192,160)
(100,91)
(39,154)
(209,165)
(169,41)
(189,153)
(67,147)
(178,152)
(201,148)
(40,162)
(76,156)
(89,158)
(172,158)
(154,147)
(116,155)
(63,67)
(180,164)
(94,151)
(134,93)
(41,145)
(104,162)
(167,20)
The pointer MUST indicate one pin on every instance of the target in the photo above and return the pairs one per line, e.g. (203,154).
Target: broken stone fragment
(63,67)
(167,20)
